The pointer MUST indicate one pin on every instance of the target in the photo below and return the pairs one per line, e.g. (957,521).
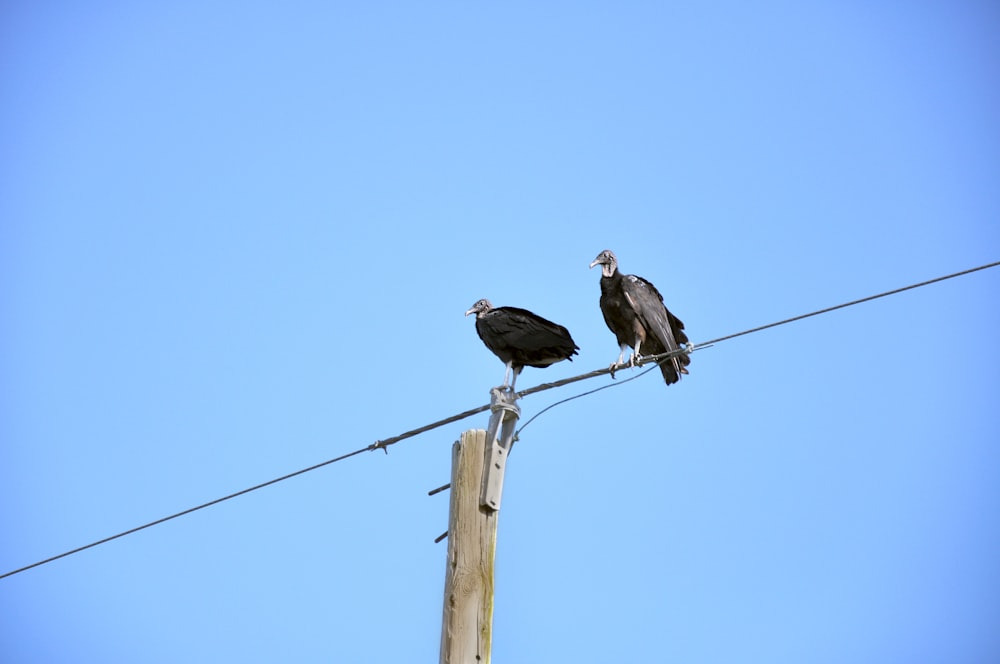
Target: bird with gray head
(521,338)
(633,309)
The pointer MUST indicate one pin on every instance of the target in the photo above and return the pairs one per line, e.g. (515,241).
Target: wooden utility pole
(478,460)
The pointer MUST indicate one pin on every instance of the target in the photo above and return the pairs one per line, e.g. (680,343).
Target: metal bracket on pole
(499,437)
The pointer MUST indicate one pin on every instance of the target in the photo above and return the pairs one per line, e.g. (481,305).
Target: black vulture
(520,338)
(634,311)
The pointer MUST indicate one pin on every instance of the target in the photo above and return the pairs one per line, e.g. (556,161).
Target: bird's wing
(647,303)
(529,331)
(508,328)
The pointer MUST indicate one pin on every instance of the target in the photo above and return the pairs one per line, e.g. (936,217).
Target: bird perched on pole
(520,338)
(634,311)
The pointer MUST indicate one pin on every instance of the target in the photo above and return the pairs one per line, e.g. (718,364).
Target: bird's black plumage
(521,338)
(634,311)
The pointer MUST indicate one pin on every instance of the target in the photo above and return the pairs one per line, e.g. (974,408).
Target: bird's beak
(597,261)
(470,311)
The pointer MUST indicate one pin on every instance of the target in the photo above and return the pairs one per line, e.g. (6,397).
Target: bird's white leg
(621,359)
(506,376)
(517,372)
(635,353)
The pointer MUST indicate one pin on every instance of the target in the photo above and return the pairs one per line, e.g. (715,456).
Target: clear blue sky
(237,239)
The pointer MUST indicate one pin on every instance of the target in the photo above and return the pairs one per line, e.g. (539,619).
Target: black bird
(520,338)
(634,311)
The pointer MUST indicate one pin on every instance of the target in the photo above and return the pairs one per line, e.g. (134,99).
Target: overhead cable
(385,443)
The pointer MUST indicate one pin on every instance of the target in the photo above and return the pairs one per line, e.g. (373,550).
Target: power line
(187,511)
(384,444)
(848,304)
(602,387)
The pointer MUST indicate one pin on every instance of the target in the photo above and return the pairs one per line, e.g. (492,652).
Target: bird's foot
(615,366)
(500,392)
